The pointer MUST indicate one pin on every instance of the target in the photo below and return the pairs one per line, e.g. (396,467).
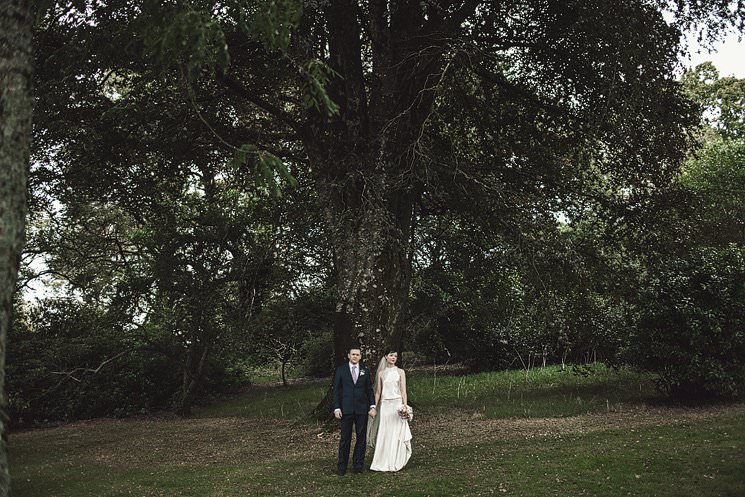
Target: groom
(353,401)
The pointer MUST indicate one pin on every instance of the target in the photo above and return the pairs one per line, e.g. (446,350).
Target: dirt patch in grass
(278,384)
(143,442)
(461,427)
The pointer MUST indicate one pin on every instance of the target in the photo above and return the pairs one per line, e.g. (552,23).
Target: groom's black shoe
(357,470)
(341,472)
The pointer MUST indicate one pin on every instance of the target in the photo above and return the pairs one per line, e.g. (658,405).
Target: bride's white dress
(393,442)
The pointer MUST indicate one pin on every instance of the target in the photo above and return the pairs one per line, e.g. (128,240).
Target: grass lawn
(544,433)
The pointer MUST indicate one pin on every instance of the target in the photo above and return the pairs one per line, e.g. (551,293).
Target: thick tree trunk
(373,274)
(365,161)
(15,137)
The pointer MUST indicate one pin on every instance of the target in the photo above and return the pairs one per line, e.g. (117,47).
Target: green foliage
(68,361)
(496,303)
(689,327)
(191,35)
(318,356)
(692,325)
(190,38)
(268,169)
(317,76)
(274,21)
(295,330)
(716,180)
(723,99)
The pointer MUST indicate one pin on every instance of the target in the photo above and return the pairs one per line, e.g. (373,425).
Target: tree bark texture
(194,369)
(366,157)
(15,137)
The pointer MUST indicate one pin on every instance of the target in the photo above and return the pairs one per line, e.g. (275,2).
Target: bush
(318,355)
(692,324)
(53,374)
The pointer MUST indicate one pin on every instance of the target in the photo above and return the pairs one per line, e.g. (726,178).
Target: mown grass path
(545,433)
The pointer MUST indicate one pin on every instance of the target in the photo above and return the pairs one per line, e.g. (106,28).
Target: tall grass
(539,392)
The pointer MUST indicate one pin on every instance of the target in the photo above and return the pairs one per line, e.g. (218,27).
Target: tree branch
(238,89)
(459,17)
(70,374)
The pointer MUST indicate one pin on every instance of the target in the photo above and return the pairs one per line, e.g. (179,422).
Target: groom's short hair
(354,347)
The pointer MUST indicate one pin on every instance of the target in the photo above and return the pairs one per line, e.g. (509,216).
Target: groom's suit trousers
(360,426)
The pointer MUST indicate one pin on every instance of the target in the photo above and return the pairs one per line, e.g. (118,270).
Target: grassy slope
(545,433)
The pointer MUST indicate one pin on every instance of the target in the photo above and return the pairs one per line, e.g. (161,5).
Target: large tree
(398,106)
(563,93)
(15,135)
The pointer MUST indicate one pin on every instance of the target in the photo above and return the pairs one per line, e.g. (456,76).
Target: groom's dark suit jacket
(353,398)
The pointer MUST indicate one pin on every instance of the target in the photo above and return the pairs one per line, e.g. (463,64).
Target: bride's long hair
(379,372)
(372,424)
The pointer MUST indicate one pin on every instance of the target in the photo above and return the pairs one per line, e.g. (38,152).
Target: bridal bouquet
(405,412)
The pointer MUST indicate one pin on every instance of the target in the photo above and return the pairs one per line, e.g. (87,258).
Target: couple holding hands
(382,418)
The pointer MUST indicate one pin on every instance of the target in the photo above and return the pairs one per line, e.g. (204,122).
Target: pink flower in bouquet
(405,412)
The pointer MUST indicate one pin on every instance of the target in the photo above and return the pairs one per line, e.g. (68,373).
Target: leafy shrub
(318,355)
(692,324)
(56,367)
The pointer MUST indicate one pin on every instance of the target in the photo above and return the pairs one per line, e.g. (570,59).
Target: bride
(388,432)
